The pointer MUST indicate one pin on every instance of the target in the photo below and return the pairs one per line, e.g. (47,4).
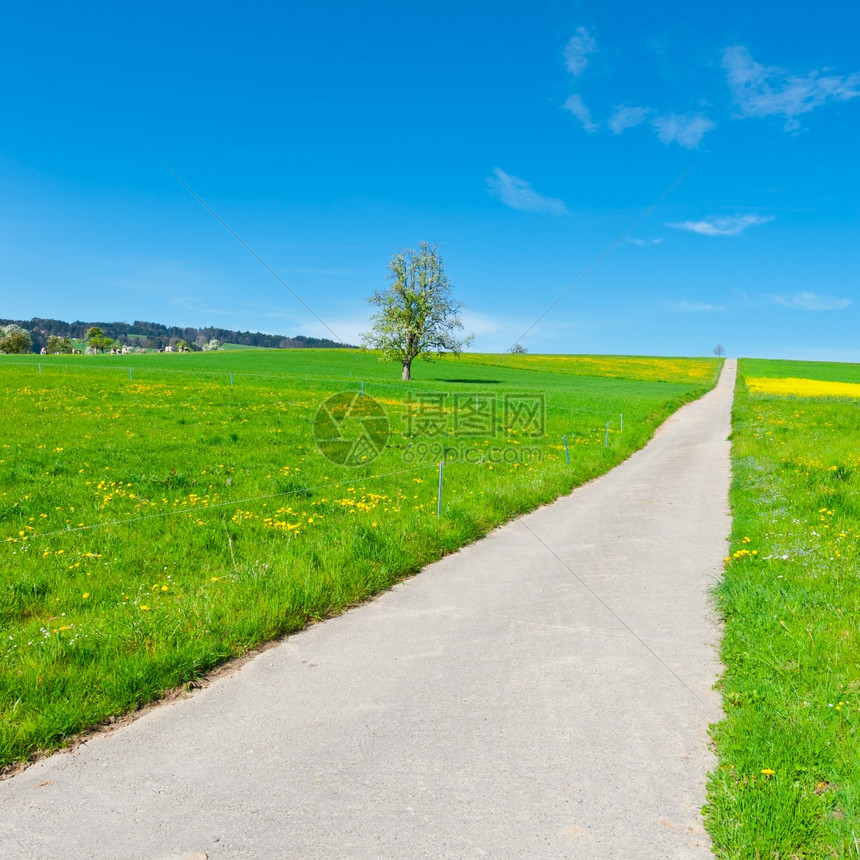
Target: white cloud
(695,306)
(687,129)
(577,107)
(519,194)
(760,91)
(627,116)
(643,242)
(576,51)
(726,226)
(811,302)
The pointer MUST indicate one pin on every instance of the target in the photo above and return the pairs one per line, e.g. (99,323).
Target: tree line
(150,335)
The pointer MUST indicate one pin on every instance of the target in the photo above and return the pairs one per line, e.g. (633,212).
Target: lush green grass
(788,782)
(236,347)
(824,370)
(697,370)
(156,520)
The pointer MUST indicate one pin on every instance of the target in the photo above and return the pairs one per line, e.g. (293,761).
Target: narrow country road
(545,692)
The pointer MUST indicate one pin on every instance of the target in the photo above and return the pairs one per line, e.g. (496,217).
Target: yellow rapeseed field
(794,387)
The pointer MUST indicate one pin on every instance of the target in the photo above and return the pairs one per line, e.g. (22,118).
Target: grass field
(236,347)
(698,371)
(160,514)
(788,782)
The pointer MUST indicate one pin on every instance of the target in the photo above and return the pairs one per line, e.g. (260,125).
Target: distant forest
(156,336)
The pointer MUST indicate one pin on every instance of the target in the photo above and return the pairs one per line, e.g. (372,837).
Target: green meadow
(788,781)
(161,514)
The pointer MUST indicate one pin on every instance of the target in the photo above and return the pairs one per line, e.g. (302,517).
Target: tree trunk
(407,371)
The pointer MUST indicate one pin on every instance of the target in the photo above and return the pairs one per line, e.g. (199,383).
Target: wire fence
(445,448)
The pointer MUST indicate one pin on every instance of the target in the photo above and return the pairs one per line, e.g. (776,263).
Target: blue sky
(523,138)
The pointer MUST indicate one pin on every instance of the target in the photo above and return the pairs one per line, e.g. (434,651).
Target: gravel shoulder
(544,692)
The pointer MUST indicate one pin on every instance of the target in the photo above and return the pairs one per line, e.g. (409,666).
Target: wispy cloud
(576,106)
(695,306)
(725,226)
(576,51)
(643,242)
(811,302)
(761,91)
(519,194)
(686,130)
(627,116)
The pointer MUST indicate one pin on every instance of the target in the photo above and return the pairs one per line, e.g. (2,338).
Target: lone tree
(98,340)
(719,350)
(417,315)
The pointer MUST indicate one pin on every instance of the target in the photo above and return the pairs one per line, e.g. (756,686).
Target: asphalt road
(545,692)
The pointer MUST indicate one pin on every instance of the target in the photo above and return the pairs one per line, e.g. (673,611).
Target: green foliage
(97,340)
(788,781)
(418,316)
(58,345)
(15,340)
(156,336)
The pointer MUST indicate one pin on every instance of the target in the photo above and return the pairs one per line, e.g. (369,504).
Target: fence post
(439,497)
(130,376)
(362,388)
(566,451)
(231,379)
(606,438)
(622,423)
(40,369)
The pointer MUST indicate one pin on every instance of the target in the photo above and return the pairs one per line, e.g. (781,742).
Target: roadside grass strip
(161,514)
(788,780)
